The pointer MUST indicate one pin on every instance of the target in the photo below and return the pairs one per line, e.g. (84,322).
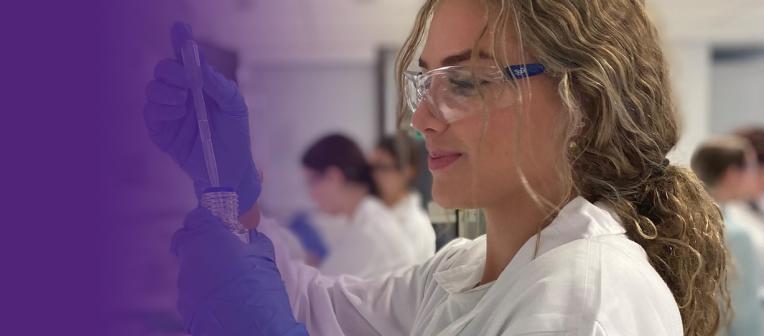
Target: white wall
(692,29)
(737,94)
(302,30)
(690,65)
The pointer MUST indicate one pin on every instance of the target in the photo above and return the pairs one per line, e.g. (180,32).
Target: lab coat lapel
(497,291)
(578,219)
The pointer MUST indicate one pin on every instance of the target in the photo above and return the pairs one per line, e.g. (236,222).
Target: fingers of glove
(163,94)
(185,139)
(155,113)
(158,132)
(161,127)
(224,91)
(173,73)
(172,128)
(216,86)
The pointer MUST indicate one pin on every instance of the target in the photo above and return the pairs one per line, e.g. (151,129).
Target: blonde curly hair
(612,78)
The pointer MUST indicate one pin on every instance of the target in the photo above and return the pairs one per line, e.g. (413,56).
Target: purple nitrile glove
(227,287)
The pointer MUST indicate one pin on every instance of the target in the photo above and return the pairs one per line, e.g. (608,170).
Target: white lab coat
(330,227)
(753,225)
(370,243)
(416,225)
(588,279)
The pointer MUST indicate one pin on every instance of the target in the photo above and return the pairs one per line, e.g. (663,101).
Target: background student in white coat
(369,240)
(555,118)
(394,164)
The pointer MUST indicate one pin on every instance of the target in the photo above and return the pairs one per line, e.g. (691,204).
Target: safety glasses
(457,92)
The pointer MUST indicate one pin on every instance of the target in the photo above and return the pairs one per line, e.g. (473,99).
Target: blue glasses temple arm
(524,70)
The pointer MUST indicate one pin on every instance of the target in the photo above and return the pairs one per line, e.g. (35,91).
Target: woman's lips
(438,160)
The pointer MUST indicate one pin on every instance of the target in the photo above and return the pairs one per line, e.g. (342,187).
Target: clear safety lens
(453,93)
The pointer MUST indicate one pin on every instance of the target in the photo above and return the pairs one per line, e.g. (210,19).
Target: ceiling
(353,29)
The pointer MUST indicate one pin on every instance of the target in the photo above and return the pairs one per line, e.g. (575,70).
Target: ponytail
(679,226)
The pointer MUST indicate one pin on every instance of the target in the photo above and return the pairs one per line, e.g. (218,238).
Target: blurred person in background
(755,136)
(754,209)
(727,165)
(370,241)
(394,166)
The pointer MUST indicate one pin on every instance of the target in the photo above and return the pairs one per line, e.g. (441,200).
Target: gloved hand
(172,124)
(302,227)
(226,287)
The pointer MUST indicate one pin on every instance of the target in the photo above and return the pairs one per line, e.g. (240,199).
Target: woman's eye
(462,84)
(466,87)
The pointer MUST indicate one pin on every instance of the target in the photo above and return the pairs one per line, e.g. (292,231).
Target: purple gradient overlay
(90,204)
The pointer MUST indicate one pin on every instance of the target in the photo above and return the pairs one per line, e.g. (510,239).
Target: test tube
(223,204)
(193,66)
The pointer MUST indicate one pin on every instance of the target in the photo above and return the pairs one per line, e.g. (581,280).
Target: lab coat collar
(463,271)
(579,219)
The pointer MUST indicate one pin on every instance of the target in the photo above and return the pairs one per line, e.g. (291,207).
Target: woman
(369,240)
(555,121)
(394,164)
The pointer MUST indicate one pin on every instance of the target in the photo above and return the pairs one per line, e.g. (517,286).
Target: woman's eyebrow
(455,59)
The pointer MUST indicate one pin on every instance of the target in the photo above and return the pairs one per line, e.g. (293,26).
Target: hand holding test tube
(222,202)
(225,287)
(207,135)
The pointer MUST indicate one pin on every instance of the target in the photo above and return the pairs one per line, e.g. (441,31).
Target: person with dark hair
(337,158)
(728,168)
(394,168)
(370,240)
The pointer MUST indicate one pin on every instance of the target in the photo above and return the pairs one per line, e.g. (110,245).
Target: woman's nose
(425,121)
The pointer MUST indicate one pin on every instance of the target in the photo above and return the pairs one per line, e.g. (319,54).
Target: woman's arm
(228,287)
(348,305)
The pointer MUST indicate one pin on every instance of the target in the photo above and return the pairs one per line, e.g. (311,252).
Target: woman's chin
(450,198)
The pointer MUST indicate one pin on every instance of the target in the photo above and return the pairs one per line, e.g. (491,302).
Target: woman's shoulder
(614,262)
(605,282)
